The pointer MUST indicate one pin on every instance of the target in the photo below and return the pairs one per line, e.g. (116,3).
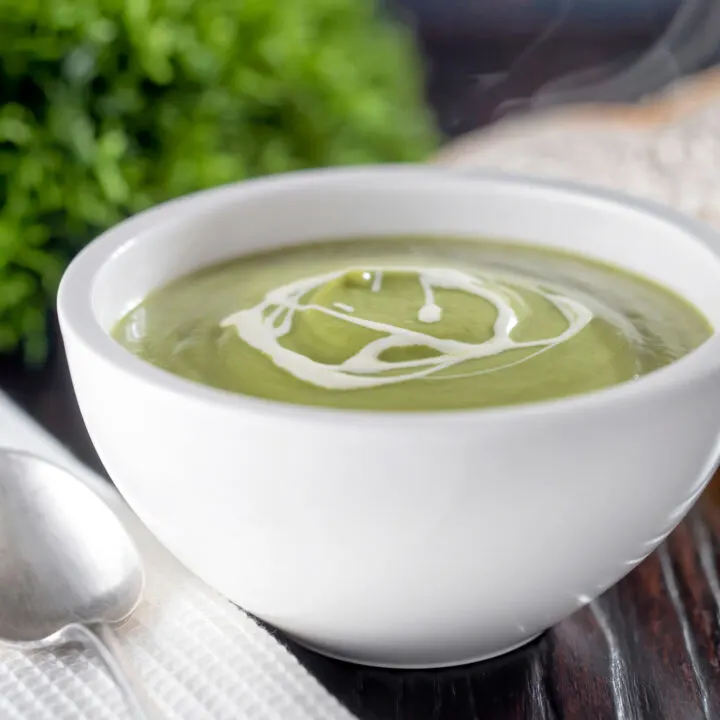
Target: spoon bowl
(65,558)
(68,568)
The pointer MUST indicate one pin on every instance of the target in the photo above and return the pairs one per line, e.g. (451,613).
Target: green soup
(412,324)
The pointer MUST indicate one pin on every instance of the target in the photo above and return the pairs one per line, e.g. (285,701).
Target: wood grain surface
(646,650)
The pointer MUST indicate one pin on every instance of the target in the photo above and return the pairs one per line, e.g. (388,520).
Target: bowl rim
(78,320)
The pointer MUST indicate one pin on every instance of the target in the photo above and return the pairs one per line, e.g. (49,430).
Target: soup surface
(412,324)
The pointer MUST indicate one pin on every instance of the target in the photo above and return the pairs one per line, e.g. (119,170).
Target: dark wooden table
(646,650)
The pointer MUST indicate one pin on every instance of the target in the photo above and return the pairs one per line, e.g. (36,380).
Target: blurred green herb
(109,106)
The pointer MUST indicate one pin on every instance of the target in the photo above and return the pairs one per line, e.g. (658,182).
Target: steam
(689,43)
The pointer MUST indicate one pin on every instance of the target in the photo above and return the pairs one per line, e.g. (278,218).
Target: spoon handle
(103,639)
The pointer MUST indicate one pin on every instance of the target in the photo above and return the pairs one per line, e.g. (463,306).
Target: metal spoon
(68,568)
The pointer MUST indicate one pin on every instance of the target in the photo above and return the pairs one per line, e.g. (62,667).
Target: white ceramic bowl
(408,540)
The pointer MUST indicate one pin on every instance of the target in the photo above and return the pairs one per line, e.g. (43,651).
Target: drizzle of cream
(263,325)
(343,306)
(429,312)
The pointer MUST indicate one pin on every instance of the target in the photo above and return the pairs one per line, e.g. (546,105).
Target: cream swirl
(263,325)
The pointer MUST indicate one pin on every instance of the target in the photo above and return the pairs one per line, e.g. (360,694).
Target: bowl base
(418,664)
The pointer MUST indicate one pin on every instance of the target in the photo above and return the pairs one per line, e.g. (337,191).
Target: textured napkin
(199,657)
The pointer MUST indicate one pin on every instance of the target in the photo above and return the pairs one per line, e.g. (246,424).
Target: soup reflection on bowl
(409,416)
